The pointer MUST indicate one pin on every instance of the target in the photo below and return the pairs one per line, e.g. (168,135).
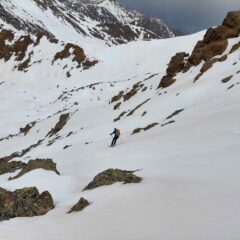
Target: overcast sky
(186,15)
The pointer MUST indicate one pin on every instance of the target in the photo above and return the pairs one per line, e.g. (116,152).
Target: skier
(116,133)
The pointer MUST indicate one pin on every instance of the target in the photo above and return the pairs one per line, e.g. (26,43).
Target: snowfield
(190,168)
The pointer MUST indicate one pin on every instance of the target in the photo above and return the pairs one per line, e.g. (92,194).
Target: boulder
(112,176)
(26,202)
(80,205)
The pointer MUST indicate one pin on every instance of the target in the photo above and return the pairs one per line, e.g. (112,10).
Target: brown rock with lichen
(46,164)
(80,205)
(112,176)
(26,202)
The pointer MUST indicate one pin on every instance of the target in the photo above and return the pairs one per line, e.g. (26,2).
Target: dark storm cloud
(186,15)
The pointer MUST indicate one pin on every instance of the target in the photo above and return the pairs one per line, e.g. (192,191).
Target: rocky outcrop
(27,128)
(214,43)
(17,48)
(175,66)
(80,205)
(112,176)
(60,124)
(137,107)
(227,79)
(138,130)
(235,47)
(9,167)
(215,40)
(20,153)
(129,94)
(77,54)
(46,164)
(174,114)
(26,202)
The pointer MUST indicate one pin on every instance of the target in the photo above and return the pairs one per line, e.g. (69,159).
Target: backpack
(118,132)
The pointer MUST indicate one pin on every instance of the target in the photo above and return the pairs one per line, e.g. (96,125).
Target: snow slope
(95,22)
(190,168)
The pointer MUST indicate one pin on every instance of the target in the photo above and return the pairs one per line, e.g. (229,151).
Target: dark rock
(67,146)
(231,86)
(21,153)
(137,107)
(215,40)
(80,205)
(26,202)
(174,114)
(120,116)
(166,82)
(175,66)
(46,164)
(170,122)
(227,79)
(235,47)
(78,56)
(138,130)
(117,97)
(233,20)
(208,64)
(116,106)
(60,124)
(135,88)
(9,167)
(27,128)
(112,176)
(68,74)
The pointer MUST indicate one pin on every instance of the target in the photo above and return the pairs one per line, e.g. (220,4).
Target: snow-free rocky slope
(179,123)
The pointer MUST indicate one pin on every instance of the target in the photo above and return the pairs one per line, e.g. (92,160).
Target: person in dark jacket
(116,133)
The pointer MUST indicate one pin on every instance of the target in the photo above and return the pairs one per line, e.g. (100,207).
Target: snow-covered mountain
(70,20)
(176,102)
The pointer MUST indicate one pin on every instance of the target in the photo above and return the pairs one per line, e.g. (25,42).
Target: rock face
(46,164)
(112,176)
(214,43)
(26,202)
(80,205)
(215,40)
(175,66)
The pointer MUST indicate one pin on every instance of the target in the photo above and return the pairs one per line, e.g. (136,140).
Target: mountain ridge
(107,21)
